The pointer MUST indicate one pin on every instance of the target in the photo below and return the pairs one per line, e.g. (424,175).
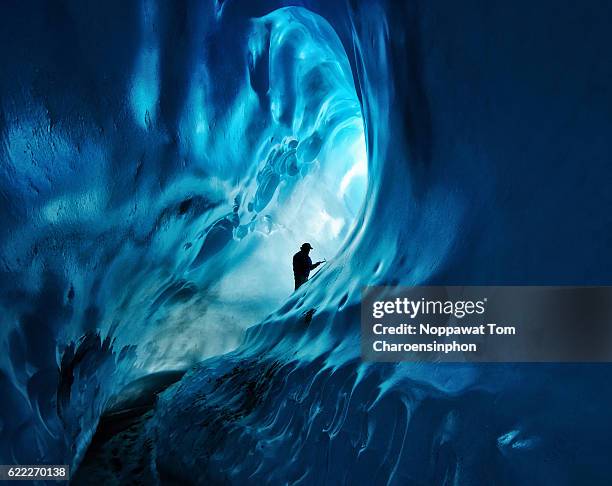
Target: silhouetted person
(302,265)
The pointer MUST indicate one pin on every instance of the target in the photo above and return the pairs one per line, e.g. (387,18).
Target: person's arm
(315,265)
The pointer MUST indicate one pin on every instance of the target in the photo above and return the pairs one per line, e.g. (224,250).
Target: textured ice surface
(161,161)
(155,208)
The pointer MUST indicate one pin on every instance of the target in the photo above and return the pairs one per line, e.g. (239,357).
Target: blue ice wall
(486,128)
(488,165)
(154,197)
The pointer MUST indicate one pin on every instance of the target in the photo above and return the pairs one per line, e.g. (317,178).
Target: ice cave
(162,161)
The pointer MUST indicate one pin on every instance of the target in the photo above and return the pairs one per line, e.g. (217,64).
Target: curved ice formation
(157,155)
(160,229)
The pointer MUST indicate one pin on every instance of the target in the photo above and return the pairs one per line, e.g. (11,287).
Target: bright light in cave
(303,177)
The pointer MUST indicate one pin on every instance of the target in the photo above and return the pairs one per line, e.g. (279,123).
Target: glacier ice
(162,161)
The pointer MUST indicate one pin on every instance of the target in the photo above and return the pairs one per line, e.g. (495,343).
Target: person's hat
(306,245)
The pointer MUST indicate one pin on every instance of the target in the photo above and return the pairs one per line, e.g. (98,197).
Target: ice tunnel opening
(191,227)
(295,171)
